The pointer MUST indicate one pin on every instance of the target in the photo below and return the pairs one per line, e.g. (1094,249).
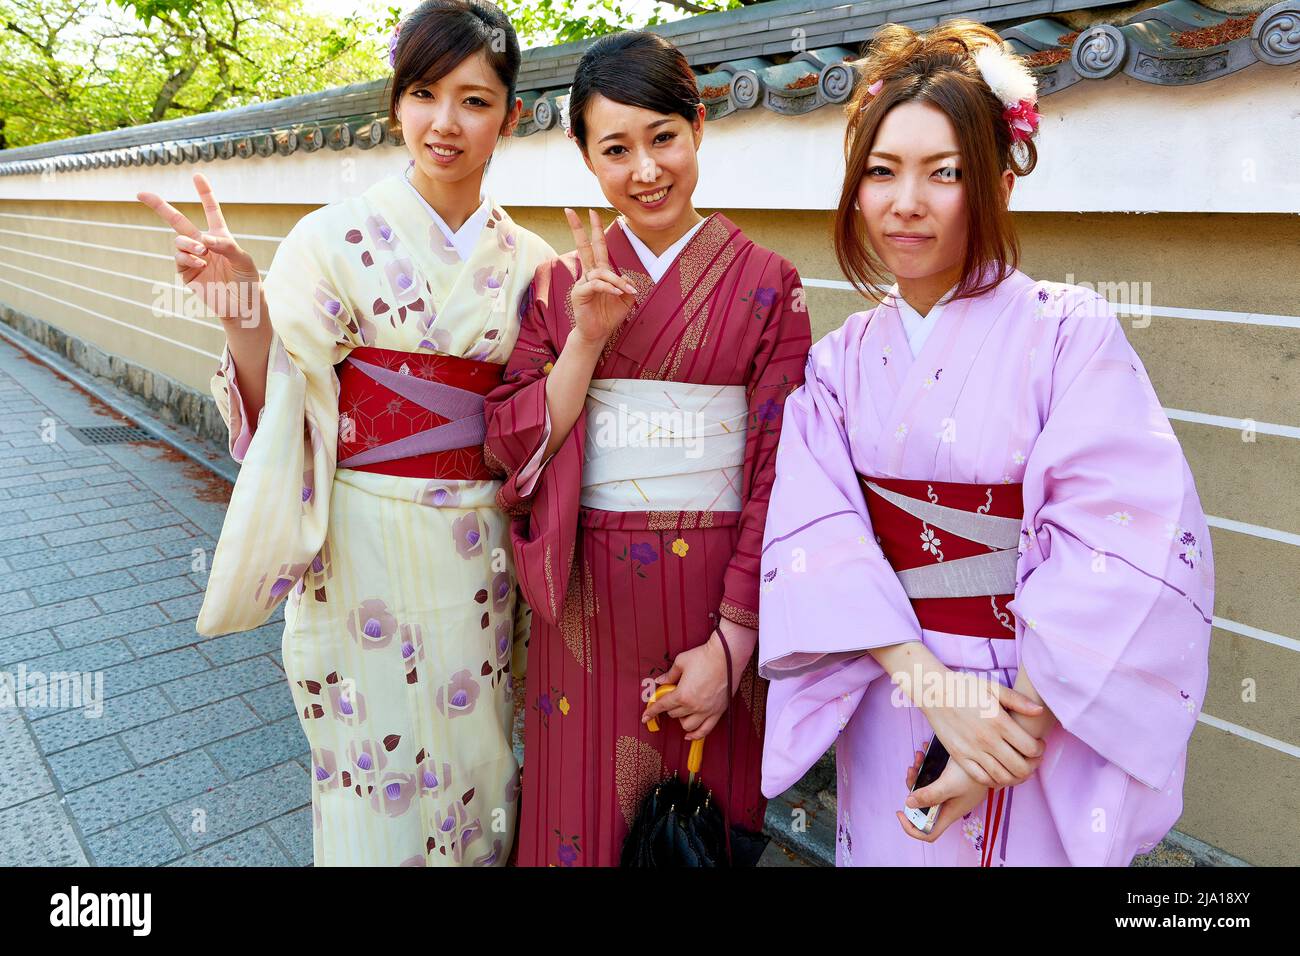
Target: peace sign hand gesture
(211,263)
(601,298)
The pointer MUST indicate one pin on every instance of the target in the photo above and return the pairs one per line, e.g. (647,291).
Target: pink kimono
(1032,383)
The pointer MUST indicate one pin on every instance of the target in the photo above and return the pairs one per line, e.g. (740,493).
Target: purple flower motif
(768,411)
(448,825)
(381,233)
(367,755)
(503,642)
(765,296)
(437,495)
(643,553)
(500,591)
(487,281)
(392,46)
(1187,538)
(1042,295)
(372,624)
(393,797)
(469,539)
(325,769)
(568,854)
(430,779)
(401,281)
(770,575)
(544,705)
(458,696)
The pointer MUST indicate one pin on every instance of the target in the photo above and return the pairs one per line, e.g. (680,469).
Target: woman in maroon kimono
(637,426)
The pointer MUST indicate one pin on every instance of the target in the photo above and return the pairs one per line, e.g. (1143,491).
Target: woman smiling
(637,426)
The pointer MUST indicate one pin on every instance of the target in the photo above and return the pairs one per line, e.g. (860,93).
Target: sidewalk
(197,757)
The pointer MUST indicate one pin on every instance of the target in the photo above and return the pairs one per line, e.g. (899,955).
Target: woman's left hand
(700,697)
(955,792)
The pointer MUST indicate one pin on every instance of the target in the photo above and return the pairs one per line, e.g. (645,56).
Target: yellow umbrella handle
(694,759)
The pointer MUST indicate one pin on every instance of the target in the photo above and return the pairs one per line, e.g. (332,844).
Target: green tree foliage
(71,67)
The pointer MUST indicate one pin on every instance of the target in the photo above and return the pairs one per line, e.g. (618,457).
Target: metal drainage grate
(108,434)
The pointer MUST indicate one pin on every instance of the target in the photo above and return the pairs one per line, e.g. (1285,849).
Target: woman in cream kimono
(362,495)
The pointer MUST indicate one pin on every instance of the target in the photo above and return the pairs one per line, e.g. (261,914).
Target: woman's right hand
(601,298)
(211,263)
(979,733)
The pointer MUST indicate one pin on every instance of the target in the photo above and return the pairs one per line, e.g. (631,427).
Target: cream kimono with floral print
(402,616)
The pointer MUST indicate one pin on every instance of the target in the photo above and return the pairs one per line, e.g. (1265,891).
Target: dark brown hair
(935,67)
(636,68)
(439,34)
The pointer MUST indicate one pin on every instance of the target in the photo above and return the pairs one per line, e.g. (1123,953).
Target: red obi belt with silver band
(953,547)
(413,415)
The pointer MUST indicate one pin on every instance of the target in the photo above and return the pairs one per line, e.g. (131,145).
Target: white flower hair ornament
(562,102)
(1015,88)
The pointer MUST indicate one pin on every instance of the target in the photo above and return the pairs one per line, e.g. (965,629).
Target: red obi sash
(415,415)
(953,545)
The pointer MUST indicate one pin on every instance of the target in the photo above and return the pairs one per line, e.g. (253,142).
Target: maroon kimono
(616,596)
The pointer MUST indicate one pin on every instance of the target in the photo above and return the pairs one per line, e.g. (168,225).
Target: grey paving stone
(88,585)
(106,473)
(149,841)
(142,511)
(159,519)
(172,735)
(260,748)
(34,578)
(90,763)
(273,701)
(293,830)
(253,848)
(184,608)
(50,616)
(92,657)
(164,637)
(117,624)
(26,646)
(39,833)
(42,557)
(22,772)
(15,601)
(222,682)
(168,568)
(237,806)
(21,487)
(15,530)
(103,491)
(88,510)
(72,727)
(129,537)
(115,560)
(244,644)
(144,594)
(21,509)
(130,795)
(98,532)
(187,546)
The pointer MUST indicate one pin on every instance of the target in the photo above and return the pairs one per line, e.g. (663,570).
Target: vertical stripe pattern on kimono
(1031,383)
(618,592)
(402,614)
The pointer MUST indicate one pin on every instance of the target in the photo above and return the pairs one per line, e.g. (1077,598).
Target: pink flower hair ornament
(1010,81)
(392,46)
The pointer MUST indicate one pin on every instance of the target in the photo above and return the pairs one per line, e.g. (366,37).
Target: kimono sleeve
(777,369)
(276,520)
(230,404)
(1116,579)
(827,593)
(541,498)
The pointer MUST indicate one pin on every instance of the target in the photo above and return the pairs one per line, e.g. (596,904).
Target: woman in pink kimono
(978,496)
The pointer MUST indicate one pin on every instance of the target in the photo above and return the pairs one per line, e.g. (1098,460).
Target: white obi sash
(663,446)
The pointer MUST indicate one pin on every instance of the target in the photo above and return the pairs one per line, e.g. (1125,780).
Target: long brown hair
(935,67)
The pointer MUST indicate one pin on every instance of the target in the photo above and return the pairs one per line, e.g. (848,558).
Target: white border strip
(1291,750)
(1258,531)
(127,225)
(1236,424)
(1214,315)
(109,318)
(144,305)
(95,245)
(1268,637)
